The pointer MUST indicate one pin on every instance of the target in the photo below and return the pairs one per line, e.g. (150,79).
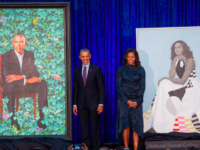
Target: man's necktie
(84,76)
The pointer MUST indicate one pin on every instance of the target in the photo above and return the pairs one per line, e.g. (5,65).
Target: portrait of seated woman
(176,106)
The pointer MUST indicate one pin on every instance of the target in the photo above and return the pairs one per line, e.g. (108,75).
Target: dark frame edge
(33,4)
(69,78)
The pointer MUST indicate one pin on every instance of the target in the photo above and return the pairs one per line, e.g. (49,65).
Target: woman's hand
(180,57)
(132,104)
(162,79)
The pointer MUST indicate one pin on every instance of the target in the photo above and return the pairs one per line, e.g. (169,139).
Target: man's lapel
(89,73)
(80,75)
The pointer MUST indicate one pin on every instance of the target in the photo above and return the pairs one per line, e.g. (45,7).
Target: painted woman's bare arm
(172,71)
(189,68)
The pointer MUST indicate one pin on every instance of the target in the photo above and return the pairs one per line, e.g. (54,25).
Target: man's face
(85,57)
(19,43)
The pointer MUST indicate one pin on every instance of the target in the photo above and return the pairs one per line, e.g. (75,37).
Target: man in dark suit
(89,96)
(20,75)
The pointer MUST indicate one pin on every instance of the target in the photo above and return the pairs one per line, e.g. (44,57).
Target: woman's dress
(130,83)
(176,107)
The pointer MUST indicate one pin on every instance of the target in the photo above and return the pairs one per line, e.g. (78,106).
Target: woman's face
(178,49)
(131,58)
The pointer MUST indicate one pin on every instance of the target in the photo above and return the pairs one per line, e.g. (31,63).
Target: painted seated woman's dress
(176,107)
(130,83)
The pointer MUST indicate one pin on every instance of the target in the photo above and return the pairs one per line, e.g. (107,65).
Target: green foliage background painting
(44,31)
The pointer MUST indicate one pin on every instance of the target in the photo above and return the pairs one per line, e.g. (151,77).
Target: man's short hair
(84,50)
(20,34)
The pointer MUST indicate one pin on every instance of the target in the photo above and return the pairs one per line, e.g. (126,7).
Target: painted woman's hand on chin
(181,57)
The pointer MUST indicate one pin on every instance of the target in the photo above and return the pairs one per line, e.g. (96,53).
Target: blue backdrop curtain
(107,28)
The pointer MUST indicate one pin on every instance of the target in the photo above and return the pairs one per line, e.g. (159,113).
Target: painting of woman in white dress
(176,106)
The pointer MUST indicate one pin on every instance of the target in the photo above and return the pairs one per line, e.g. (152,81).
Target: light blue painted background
(154,46)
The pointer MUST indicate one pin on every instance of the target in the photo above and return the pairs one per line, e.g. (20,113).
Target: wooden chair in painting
(17,96)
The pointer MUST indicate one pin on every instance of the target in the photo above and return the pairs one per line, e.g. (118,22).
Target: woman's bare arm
(172,71)
(189,68)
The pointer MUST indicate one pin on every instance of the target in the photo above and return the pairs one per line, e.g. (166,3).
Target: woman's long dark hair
(187,53)
(137,59)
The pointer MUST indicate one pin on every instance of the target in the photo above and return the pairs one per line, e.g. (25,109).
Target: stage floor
(153,141)
(34,143)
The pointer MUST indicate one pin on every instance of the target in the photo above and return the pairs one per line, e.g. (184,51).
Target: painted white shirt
(20,58)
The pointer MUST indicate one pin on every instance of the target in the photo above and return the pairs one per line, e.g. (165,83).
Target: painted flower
(39,66)
(58,111)
(5,116)
(56,76)
(38,129)
(35,21)
(26,113)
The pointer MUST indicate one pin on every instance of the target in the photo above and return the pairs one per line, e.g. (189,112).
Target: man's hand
(13,77)
(75,111)
(70,147)
(84,147)
(100,109)
(33,80)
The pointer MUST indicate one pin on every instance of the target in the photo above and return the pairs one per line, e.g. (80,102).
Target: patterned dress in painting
(176,107)
(130,83)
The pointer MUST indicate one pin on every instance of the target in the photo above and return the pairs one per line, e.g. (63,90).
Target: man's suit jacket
(10,66)
(93,92)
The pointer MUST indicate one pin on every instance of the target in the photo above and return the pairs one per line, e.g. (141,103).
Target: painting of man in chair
(20,77)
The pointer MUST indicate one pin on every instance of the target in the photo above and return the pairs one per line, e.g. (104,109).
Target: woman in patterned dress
(130,83)
(176,106)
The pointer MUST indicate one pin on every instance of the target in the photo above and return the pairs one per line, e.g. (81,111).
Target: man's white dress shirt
(20,58)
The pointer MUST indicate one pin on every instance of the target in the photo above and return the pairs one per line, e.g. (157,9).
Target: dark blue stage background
(108,28)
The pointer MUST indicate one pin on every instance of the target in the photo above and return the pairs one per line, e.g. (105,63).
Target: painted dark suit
(87,98)
(10,66)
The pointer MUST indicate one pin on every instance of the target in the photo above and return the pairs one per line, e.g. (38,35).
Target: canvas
(44,57)
(171,100)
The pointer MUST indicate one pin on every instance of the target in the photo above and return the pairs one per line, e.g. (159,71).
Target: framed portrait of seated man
(35,70)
